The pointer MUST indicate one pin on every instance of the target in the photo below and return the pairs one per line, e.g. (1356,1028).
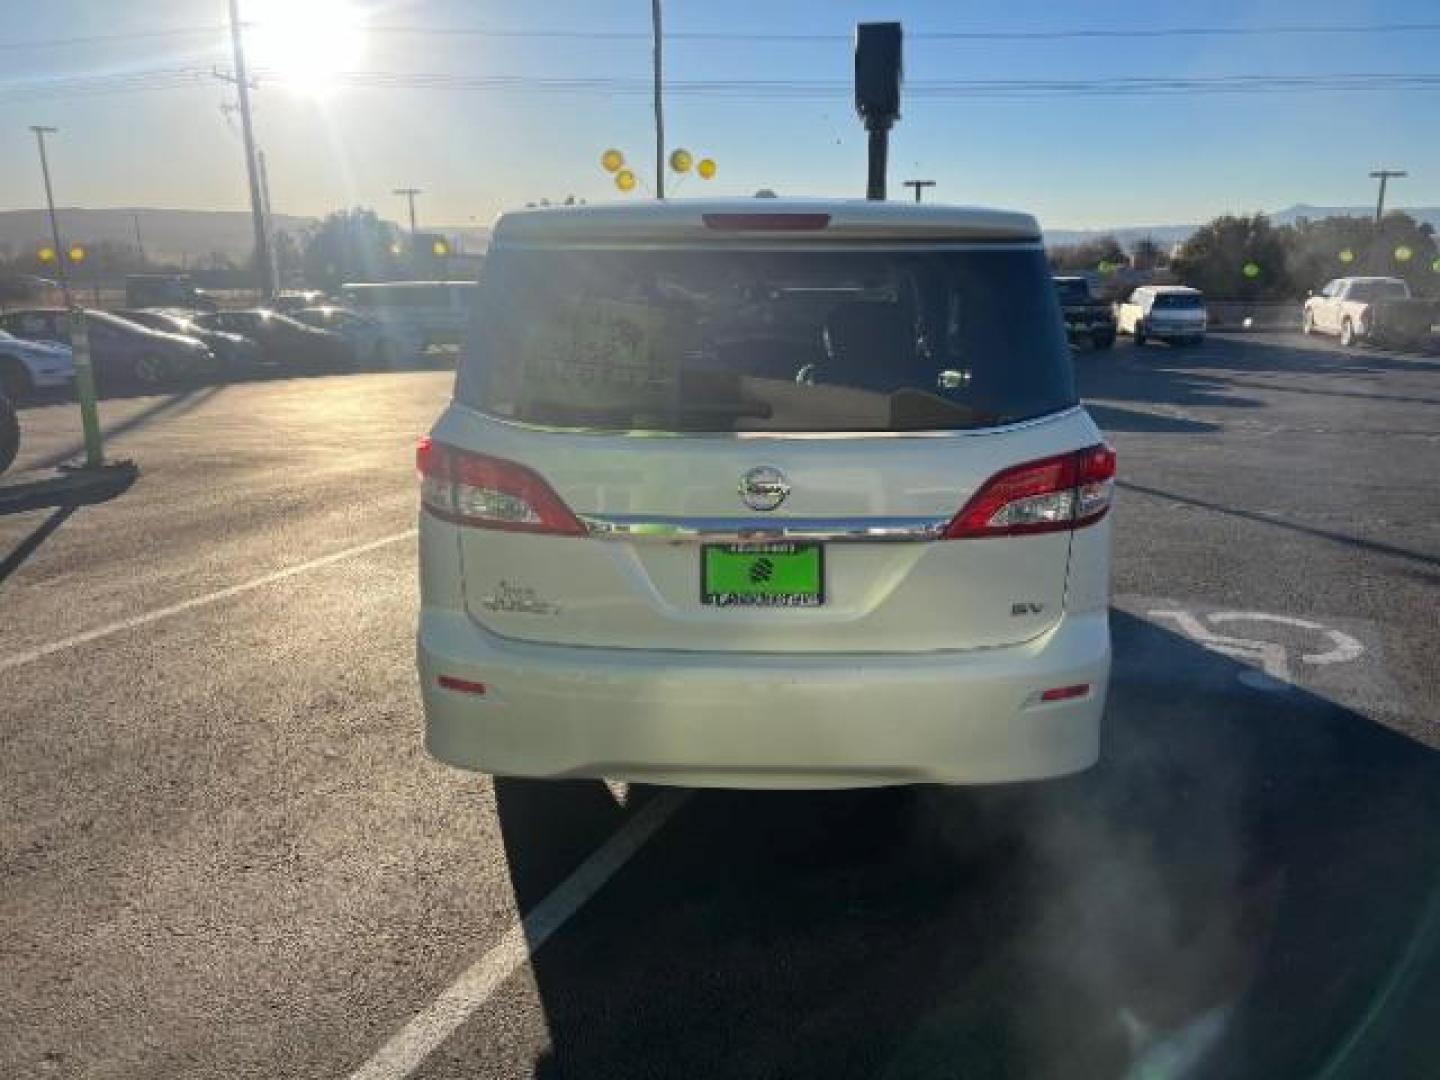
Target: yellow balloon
(46,254)
(612,161)
(680,160)
(440,247)
(625,180)
(77,253)
(396,249)
(1403,254)
(706,169)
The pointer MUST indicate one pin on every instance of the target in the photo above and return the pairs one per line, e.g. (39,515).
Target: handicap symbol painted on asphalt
(1334,646)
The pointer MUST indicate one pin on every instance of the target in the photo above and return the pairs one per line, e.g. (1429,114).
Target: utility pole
(918,185)
(659,38)
(139,244)
(272,266)
(1383,175)
(257,205)
(79,339)
(410,193)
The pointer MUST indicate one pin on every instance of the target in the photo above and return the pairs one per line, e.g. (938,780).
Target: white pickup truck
(1378,309)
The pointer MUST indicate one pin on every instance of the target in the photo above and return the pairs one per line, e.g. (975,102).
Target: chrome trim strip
(787,436)
(649,528)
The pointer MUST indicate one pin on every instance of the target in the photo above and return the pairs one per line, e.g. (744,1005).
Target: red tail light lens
(1054,494)
(489,493)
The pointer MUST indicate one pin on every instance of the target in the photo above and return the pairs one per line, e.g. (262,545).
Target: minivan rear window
(1179,301)
(685,340)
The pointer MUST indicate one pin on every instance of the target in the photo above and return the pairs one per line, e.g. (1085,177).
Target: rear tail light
(489,493)
(1068,491)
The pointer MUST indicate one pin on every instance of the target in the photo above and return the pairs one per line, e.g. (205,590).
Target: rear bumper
(1175,332)
(773,720)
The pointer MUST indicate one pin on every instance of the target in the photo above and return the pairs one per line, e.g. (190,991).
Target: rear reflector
(489,493)
(767,222)
(463,686)
(1054,494)
(1065,693)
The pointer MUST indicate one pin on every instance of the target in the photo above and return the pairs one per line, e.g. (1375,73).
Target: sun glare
(305,44)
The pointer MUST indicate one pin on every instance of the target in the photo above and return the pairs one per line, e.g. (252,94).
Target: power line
(107,39)
(934,35)
(1062,34)
(761,89)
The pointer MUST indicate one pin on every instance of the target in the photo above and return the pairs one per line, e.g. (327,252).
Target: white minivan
(788,494)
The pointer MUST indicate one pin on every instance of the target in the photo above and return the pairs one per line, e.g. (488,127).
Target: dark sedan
(282,340)
(123,353)
(238,355)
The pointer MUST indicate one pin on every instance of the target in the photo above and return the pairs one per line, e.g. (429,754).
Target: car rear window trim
(771,245)
(733,436)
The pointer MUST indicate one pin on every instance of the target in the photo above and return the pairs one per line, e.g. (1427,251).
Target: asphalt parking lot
(225,853)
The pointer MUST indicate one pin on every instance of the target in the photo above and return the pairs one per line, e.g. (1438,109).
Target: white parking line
(29,656)
(413,1043)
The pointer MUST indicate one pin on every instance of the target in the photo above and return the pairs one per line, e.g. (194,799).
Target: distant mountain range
(1174,234)
(171,234)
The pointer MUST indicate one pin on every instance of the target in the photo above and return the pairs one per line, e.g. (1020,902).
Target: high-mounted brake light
(489,493)
(1054,494)
(767,222)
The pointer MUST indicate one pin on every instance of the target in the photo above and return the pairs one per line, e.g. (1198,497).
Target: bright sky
(1076,159)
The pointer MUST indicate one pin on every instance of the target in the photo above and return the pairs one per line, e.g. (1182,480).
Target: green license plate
(762,575)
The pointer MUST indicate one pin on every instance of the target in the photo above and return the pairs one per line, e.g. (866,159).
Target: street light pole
(79,339)
(257,206)
(40,133)
(410,193)
(1383,175)
(656,31)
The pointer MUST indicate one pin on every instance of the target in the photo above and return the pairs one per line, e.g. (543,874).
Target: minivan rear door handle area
(650,528)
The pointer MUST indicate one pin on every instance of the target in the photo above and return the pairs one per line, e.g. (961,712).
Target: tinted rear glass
(1072,292)
(1178,302)
(1377,290)
(697,341)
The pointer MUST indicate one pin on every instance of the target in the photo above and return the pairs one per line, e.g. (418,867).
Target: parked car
(289,301)
(237,355)
(9,433)
(1172,313)
(122,353)
(166,290)
(766,494)
(27,366)
(372,341)
(438,312)
(1378,309)
(1087,319)
(283,341)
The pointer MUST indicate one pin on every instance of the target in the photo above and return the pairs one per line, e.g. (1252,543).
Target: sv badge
(1026,608)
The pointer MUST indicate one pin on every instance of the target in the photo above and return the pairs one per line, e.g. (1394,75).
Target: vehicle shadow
(1117,418)
(169,407)
(31,544)
(1242,880)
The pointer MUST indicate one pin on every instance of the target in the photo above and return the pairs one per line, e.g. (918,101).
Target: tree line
(348,245)
(1248,257)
